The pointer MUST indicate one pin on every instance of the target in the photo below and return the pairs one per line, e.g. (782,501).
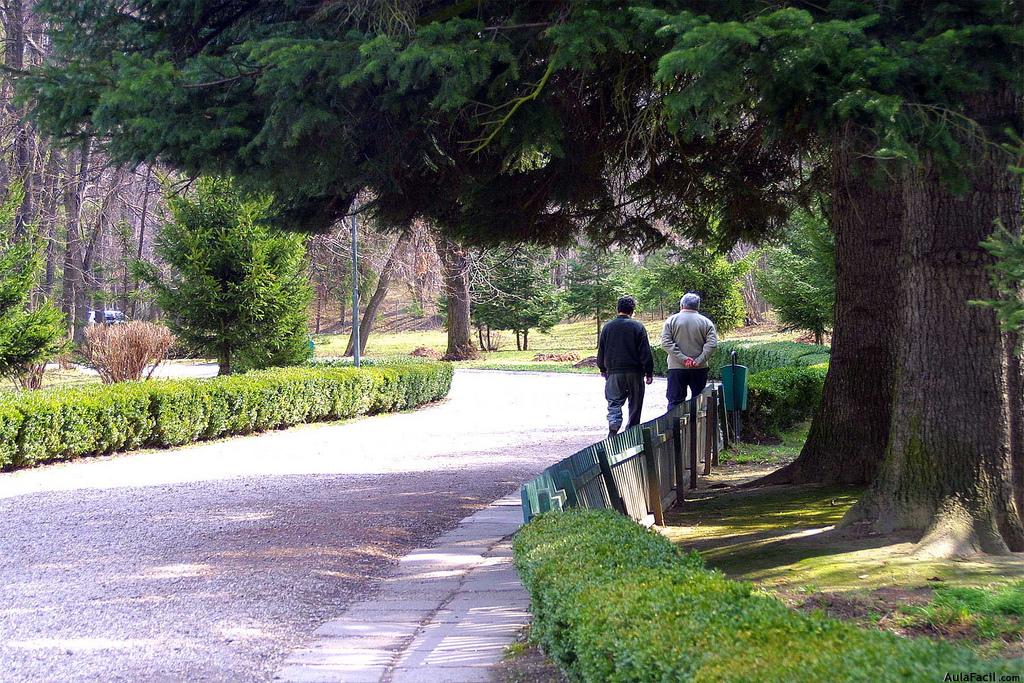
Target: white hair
(690,300)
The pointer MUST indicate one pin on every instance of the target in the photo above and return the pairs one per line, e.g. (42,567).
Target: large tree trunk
(455,263)
(850,430)
(954,450)
(379,294)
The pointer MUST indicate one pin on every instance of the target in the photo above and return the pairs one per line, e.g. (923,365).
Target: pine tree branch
(514,106)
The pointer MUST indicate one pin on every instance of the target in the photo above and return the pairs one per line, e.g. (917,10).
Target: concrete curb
(446,614)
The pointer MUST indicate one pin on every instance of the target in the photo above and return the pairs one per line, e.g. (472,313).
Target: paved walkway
(445,615)
(215,561)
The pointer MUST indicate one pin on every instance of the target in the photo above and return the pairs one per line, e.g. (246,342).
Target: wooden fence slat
(693,442)
(707,440)
(713,426)
(609,479)
(653,478)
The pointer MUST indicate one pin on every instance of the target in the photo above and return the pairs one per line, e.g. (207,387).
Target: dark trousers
(618,387)
(694,379)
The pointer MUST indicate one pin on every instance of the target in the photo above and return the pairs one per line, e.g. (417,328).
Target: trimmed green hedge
(756,356)
(761,356)
(780,398)
(613,602)
(786,380)
(57,424)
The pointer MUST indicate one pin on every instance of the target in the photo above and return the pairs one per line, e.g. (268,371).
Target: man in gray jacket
(689,339)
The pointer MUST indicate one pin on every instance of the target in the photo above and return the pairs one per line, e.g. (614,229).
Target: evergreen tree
(704,272)
(799,277)
(237,288)
(514,292)
(29,335)
(596,279)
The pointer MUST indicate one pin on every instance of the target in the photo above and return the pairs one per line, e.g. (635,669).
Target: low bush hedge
(613,601)
(761,356)
(756,356)
(782,397)
(55,424)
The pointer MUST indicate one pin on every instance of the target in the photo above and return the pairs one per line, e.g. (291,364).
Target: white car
(107,317)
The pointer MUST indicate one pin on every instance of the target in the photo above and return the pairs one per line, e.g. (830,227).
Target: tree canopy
(497,120)
(698,270)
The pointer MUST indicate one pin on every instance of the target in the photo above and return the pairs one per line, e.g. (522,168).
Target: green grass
(58,378)
(574,337)
(987,613)
(768,454)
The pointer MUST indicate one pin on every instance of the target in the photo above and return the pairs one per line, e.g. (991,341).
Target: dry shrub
(557,357)
(425,352)
(32,377)
(122,352)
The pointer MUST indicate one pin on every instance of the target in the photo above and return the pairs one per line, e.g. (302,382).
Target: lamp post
(355,293)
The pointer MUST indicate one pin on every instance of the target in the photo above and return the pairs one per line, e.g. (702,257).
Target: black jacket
(624,347)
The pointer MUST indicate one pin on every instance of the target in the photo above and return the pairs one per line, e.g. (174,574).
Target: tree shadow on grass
(784,536)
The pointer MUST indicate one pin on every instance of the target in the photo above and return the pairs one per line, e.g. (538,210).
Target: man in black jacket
(625,360)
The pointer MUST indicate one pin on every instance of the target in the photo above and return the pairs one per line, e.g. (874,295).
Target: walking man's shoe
(612,431)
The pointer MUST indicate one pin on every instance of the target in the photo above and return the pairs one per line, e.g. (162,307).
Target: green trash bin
(735,387)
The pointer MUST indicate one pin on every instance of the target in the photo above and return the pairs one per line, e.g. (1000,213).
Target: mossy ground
(778,454)
(782,538)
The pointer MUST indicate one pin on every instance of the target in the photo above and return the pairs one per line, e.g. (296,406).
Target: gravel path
(211,562)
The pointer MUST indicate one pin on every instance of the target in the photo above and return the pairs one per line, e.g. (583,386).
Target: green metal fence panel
(638,477)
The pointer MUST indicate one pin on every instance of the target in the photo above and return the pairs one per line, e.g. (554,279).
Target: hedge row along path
(210,562)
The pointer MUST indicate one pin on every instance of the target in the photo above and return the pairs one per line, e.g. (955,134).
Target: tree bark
(48,220)
(74,192)
(379,294)
(850,431)
(756,306)
(142,231)
(14,59)
(953,454)
(224,361)
(89,283)
(455,263)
